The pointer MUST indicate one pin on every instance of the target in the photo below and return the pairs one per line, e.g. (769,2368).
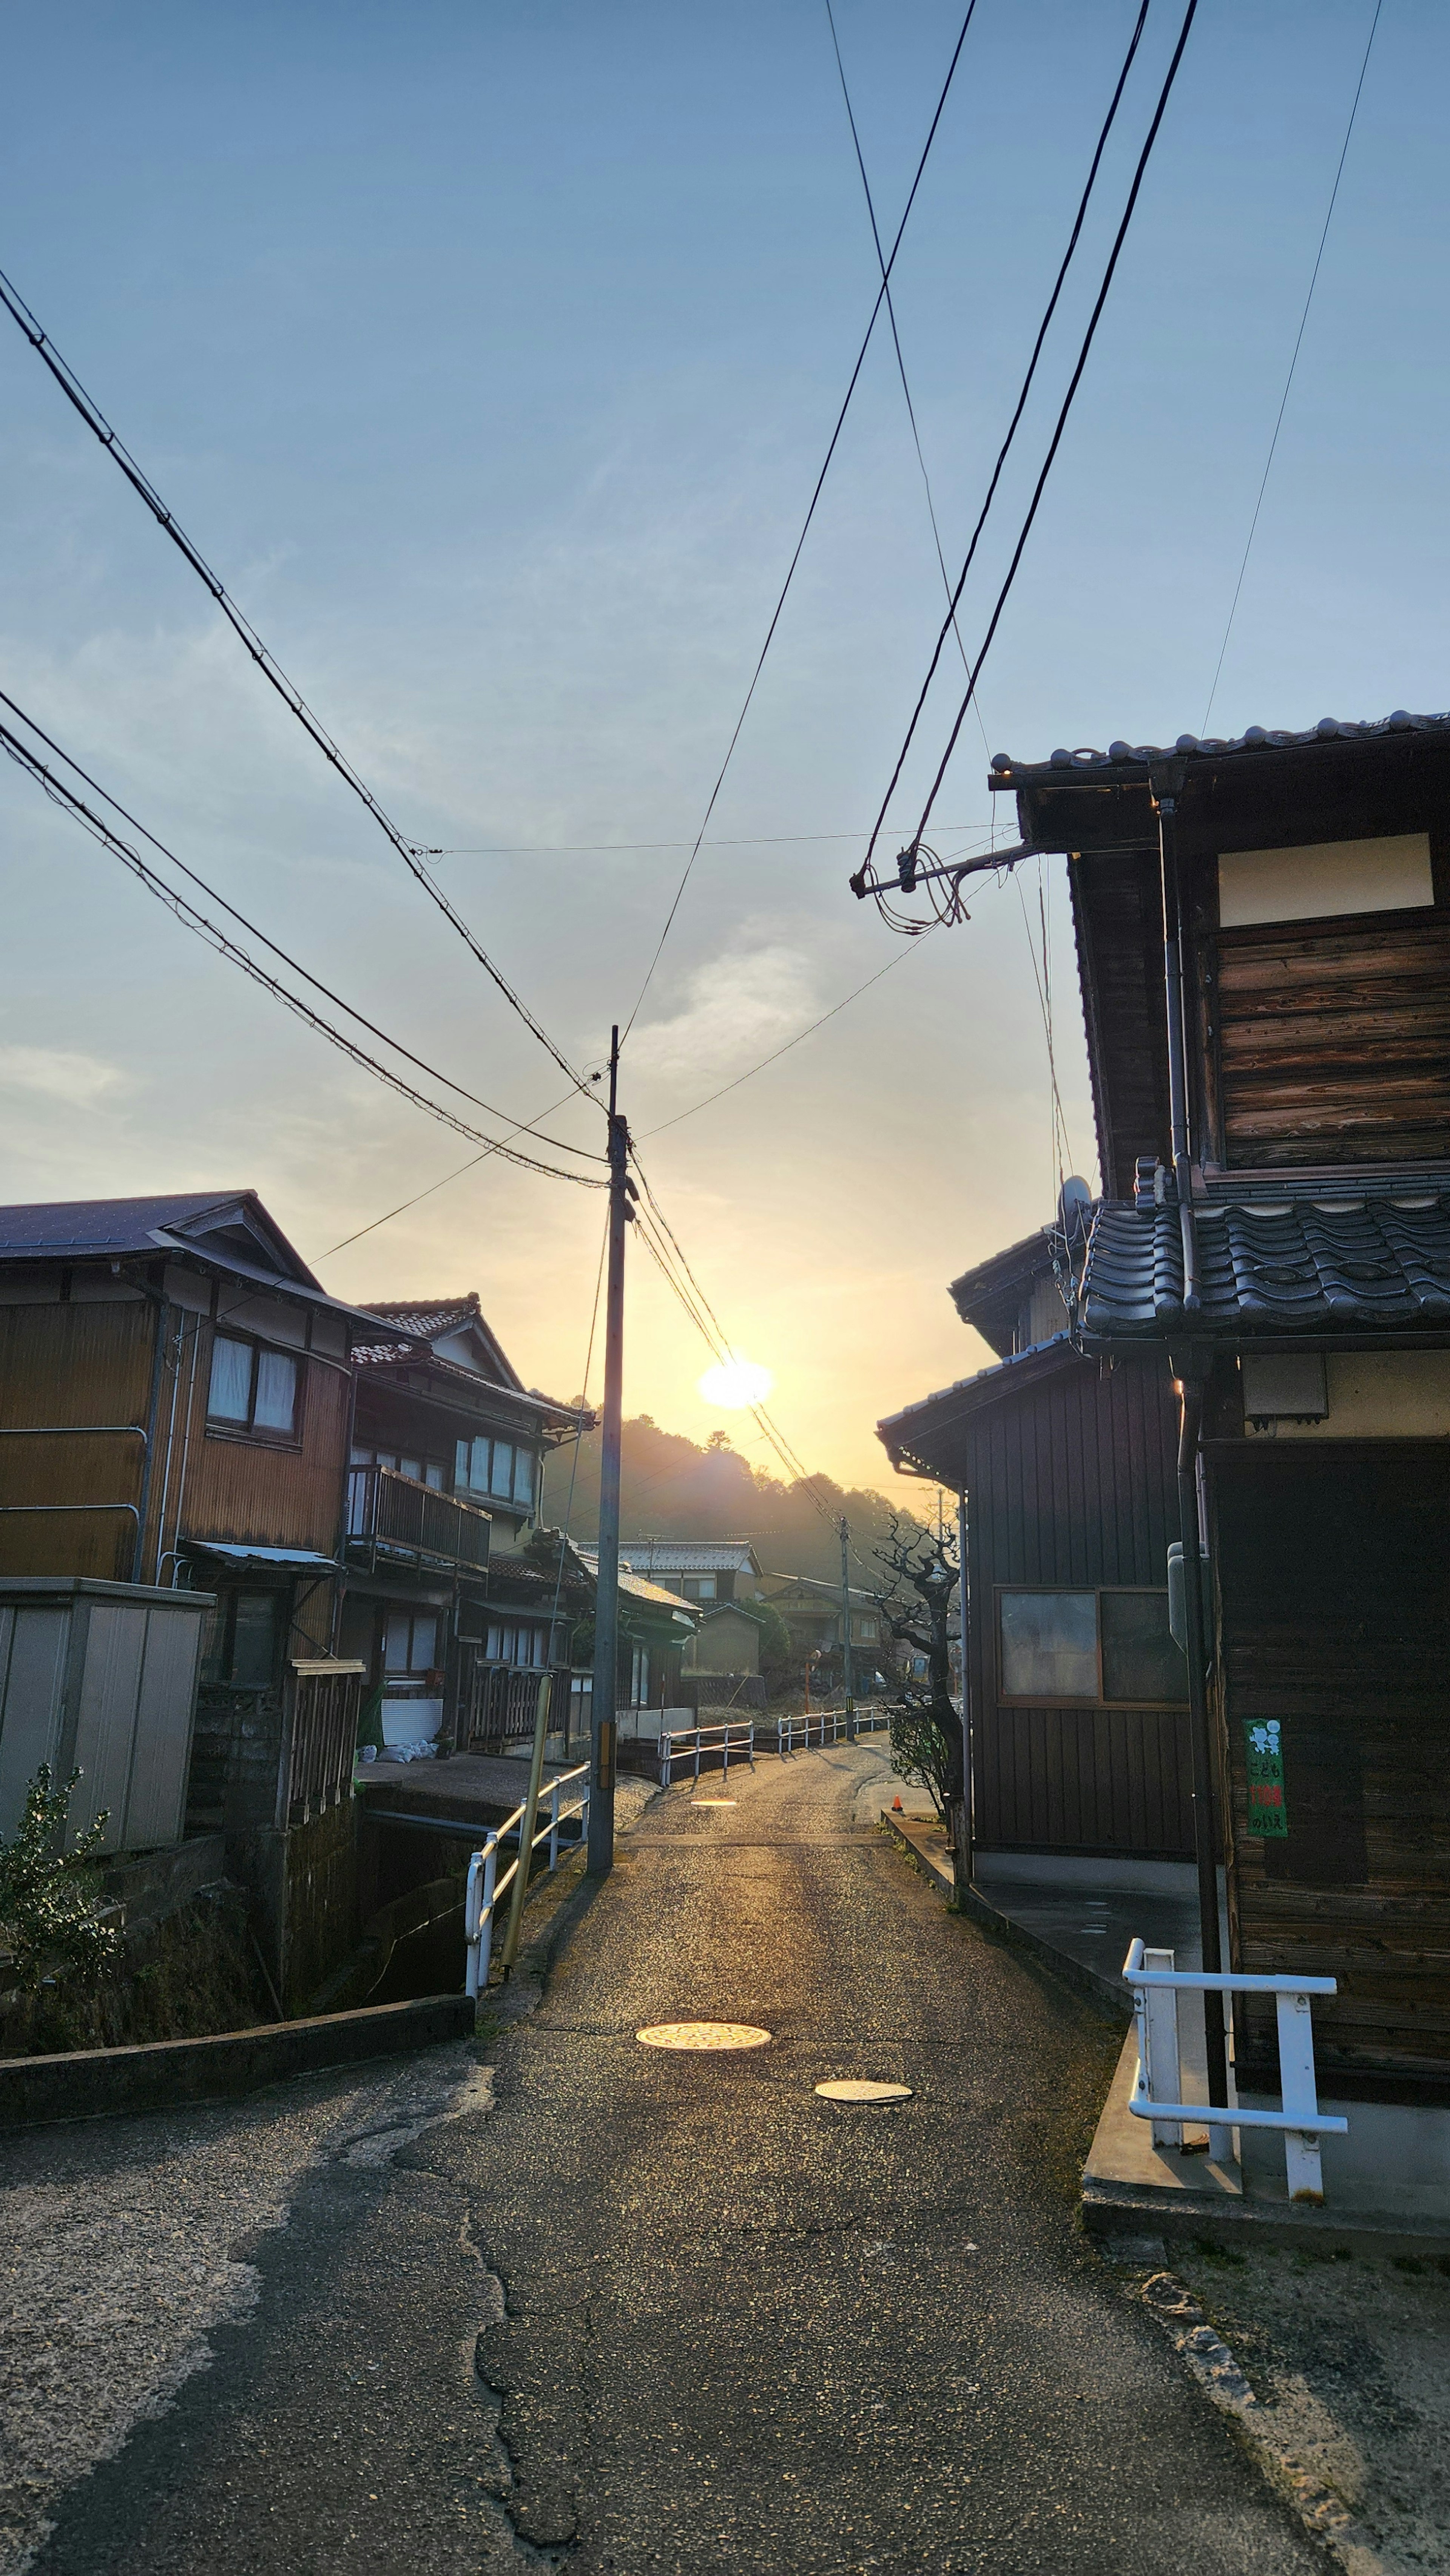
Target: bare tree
(926,1729)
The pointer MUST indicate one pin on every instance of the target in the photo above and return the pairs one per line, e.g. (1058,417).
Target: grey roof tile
(1272,1265)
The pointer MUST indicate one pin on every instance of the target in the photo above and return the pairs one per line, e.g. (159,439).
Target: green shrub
(51,1921)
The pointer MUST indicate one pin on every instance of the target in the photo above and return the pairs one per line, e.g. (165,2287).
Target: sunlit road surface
(718,2322)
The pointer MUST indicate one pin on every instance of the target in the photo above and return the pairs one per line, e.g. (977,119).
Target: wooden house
(1263,929)
(1080,1758)
(814,1613)
(175,1391)
(450,1606)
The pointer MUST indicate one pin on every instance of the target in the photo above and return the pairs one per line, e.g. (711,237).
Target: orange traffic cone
(897,1808)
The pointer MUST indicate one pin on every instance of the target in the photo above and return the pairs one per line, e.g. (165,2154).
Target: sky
(490,353)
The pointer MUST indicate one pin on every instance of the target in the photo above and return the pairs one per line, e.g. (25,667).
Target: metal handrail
(867,1721)
(728,1736)
(1158,2088)
(487,1883)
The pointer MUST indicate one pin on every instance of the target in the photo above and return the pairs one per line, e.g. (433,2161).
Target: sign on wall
(1264,1748)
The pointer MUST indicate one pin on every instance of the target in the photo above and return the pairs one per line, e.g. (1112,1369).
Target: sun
(735,1382)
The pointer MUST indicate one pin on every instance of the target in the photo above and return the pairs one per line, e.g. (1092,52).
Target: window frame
(1035,1699)
(221,1426)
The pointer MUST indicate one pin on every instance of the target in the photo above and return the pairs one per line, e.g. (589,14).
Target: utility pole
(606,1596)
(965,1856)
(849,1674)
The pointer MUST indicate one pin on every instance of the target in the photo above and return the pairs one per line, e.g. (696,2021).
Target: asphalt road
(656,2313)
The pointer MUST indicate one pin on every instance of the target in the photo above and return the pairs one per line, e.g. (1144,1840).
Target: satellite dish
(1074,1206)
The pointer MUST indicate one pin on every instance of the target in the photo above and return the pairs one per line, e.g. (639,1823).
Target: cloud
(737,1009)
(57,1074)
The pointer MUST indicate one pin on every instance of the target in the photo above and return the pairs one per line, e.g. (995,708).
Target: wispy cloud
(56,1073)
(737,1008)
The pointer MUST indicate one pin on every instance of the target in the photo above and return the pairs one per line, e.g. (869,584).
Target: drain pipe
(1189,1374)
(1166,786)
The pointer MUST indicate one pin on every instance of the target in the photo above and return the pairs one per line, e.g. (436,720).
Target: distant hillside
(670,1488)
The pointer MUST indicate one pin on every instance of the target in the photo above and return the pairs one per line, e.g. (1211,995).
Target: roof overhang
(928,1438)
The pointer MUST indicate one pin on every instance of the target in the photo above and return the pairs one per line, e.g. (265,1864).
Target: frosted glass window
(503,1469)
(230,1394)
(523,1476)
(1140,1659)
(433,1475)
(411,1467)
(276,1407)
(478,1467)
(1049,1645)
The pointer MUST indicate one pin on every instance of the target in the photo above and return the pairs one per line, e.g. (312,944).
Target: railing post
(726,1742)
(697,1753)
(750,1745)
(1299,2094)
(554,1826)
(478,1914)
(1158,2040)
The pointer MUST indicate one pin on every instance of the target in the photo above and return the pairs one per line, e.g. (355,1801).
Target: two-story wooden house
(1263,929)
(452,1611)
(175,1393)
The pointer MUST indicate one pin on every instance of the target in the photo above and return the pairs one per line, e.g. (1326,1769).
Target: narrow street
(656,2312)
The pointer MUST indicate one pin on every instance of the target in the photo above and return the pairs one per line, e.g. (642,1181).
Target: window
(252,1389)
(242,1637)
(424,1471)
(516,1643)
(494,1471)
(523,1477)
(698,1587)
(1097,1647)
(501,1481)
(410,1643)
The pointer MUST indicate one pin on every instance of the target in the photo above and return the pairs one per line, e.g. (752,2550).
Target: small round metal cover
(703,2034)
(858,2088)
(714,1802)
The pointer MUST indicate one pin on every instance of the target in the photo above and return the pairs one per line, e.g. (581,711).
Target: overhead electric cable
(1293,363)
(214,937)
(411,852)
(805,528)
(632,849)
(949,622)
(520,1127)
(1056,440)
(441,1184)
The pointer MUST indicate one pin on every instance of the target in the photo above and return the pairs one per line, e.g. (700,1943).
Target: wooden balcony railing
(389,1514)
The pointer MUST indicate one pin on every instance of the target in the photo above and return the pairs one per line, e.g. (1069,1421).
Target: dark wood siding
(271,1493)
(1334,1588)
(71,1364)
(1333,1045)
(1118,915)
(1071,1481)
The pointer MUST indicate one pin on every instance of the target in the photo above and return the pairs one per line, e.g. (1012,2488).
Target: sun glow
(735,1382)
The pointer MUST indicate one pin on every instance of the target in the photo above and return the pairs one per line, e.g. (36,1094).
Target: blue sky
(490,354)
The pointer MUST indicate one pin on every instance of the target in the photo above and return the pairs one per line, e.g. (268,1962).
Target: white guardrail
(684,1743)
(487,1882)
(824,1726)
(1158,2093)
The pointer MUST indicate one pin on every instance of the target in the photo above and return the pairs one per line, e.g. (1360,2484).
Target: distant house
(447,1609)
(815,1615)
(1077,1693)
(707,1570)
(728,1641)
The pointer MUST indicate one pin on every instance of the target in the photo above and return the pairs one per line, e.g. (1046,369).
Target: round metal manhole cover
(703,2034)
(855,2088)
(714,1802)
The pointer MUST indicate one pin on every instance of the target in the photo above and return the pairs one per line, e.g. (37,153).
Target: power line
(1062,419)
(411,852)
(805,528)
(801,1034)
(632,849)
(214,937)
(404,1204)
(1293,363)
(949,622)
(520,1127)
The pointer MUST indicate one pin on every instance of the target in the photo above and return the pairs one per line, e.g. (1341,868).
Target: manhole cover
(714,1802)
(855,2088)
(703,2034)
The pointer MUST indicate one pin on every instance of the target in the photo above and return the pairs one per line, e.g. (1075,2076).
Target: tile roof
(685,1555)
(1123,756)
(105,1225)
(429,1316)
(1272,1265)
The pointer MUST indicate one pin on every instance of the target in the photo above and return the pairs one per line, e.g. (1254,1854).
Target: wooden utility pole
(606,1596)
(848,1669)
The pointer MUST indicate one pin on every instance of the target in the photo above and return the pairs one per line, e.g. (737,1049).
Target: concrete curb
(1112,2001)
(98,2083)
(1139,2226)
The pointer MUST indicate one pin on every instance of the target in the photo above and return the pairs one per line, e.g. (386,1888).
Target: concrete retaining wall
(93,2083)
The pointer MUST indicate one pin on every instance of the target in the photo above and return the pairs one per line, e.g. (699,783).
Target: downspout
(965,1835)
(1166,785)
(153,1409)
(1189,1374)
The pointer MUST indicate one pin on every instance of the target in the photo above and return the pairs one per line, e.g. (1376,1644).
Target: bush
(51,1921)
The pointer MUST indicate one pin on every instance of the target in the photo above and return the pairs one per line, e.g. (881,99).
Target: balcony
(390,1517)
